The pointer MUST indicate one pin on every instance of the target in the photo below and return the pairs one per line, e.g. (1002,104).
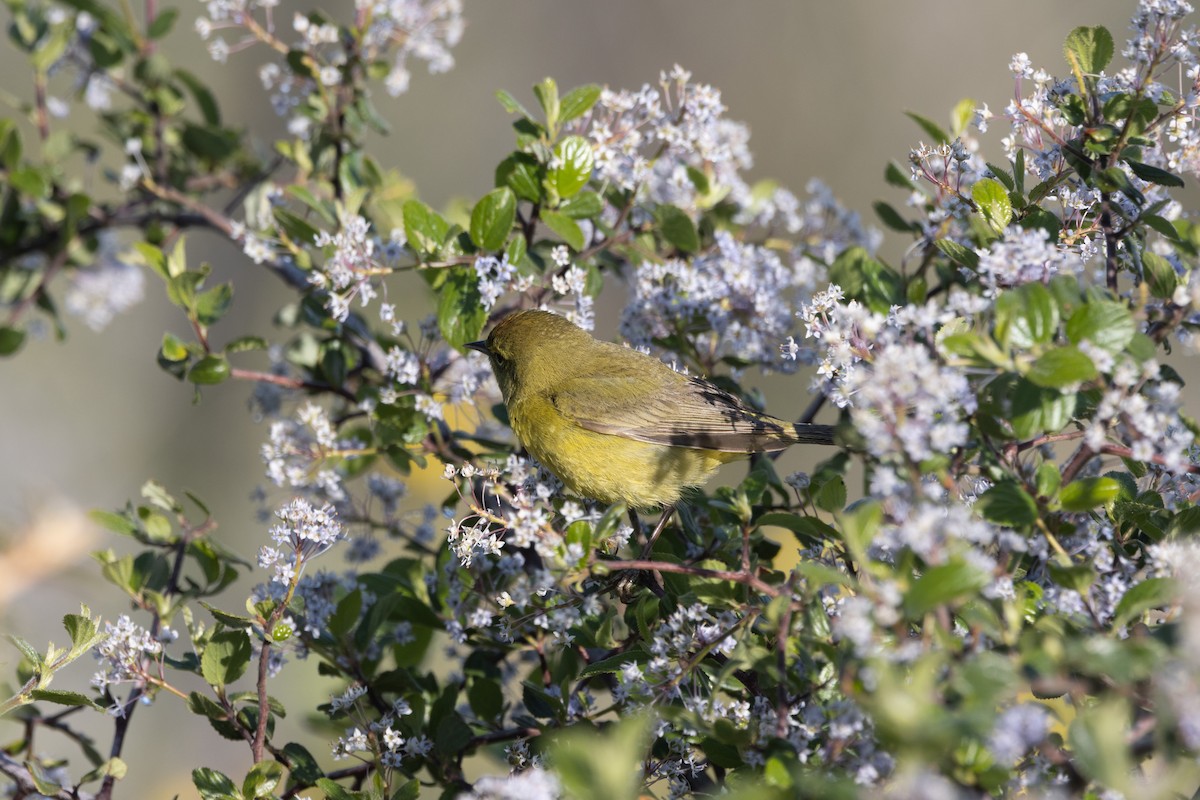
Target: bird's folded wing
(691,413)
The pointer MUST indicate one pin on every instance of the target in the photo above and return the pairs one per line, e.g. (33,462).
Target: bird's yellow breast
(605,467)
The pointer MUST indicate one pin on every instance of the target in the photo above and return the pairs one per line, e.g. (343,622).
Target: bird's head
(533,350)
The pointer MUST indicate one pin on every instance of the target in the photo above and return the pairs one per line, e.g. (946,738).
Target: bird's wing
(682,412)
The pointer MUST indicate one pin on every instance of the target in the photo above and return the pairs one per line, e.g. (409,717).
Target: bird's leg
(626,586)
(658,529)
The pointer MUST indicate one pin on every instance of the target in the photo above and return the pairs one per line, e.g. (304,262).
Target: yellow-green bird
(615,424)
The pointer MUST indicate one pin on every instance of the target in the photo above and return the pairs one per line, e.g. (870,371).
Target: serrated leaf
(959,254)
(1107,324)
(492,218)
(213,785)
(64,698)
(262,779)
(225,658)
(1089,49)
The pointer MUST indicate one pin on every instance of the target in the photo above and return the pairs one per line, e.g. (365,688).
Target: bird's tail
(808,433)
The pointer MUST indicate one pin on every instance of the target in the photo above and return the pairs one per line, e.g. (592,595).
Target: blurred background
(823,87)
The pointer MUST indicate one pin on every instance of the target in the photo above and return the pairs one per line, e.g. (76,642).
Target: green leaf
(11,340)
(547,96)
(678,229)
(1159,274)
(602,765)
(460,314)
(244,344)
(522,173)
(225,658)
(582,206)
(211,305)
(993,202)
(172,348)
(204,98)
(162,23)
(572,166)
(578,102)
(1088,493)
(1105,323)
(931,128)
(424,227)
(511,104)
(452,734)
(1007,503)
(891,217)
(64,698)
(832,495)
(1026,316)
(1089,49)
(943,584)
(1154,174)
(1060,367)
(492,218)
(567,229)
(1097,742)
(213,785)
(262,779)
(1048,479)
(959,254)
(209,370)
(1143,596)
(1036,410)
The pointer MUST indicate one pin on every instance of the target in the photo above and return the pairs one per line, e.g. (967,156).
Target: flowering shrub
(1006,604)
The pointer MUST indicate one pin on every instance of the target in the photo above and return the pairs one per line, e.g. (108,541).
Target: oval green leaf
(492,218)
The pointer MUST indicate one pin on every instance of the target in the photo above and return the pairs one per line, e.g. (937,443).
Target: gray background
(823,86)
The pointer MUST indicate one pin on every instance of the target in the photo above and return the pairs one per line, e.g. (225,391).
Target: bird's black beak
(481,346)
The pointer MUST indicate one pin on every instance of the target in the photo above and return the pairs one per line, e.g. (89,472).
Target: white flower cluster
(1024,256)
(303,534)
(106,287)
(534,783)
(1143,413)
(122,651)
(354,261)
(422,30)
(296,451)
(903,400)
(743,296)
